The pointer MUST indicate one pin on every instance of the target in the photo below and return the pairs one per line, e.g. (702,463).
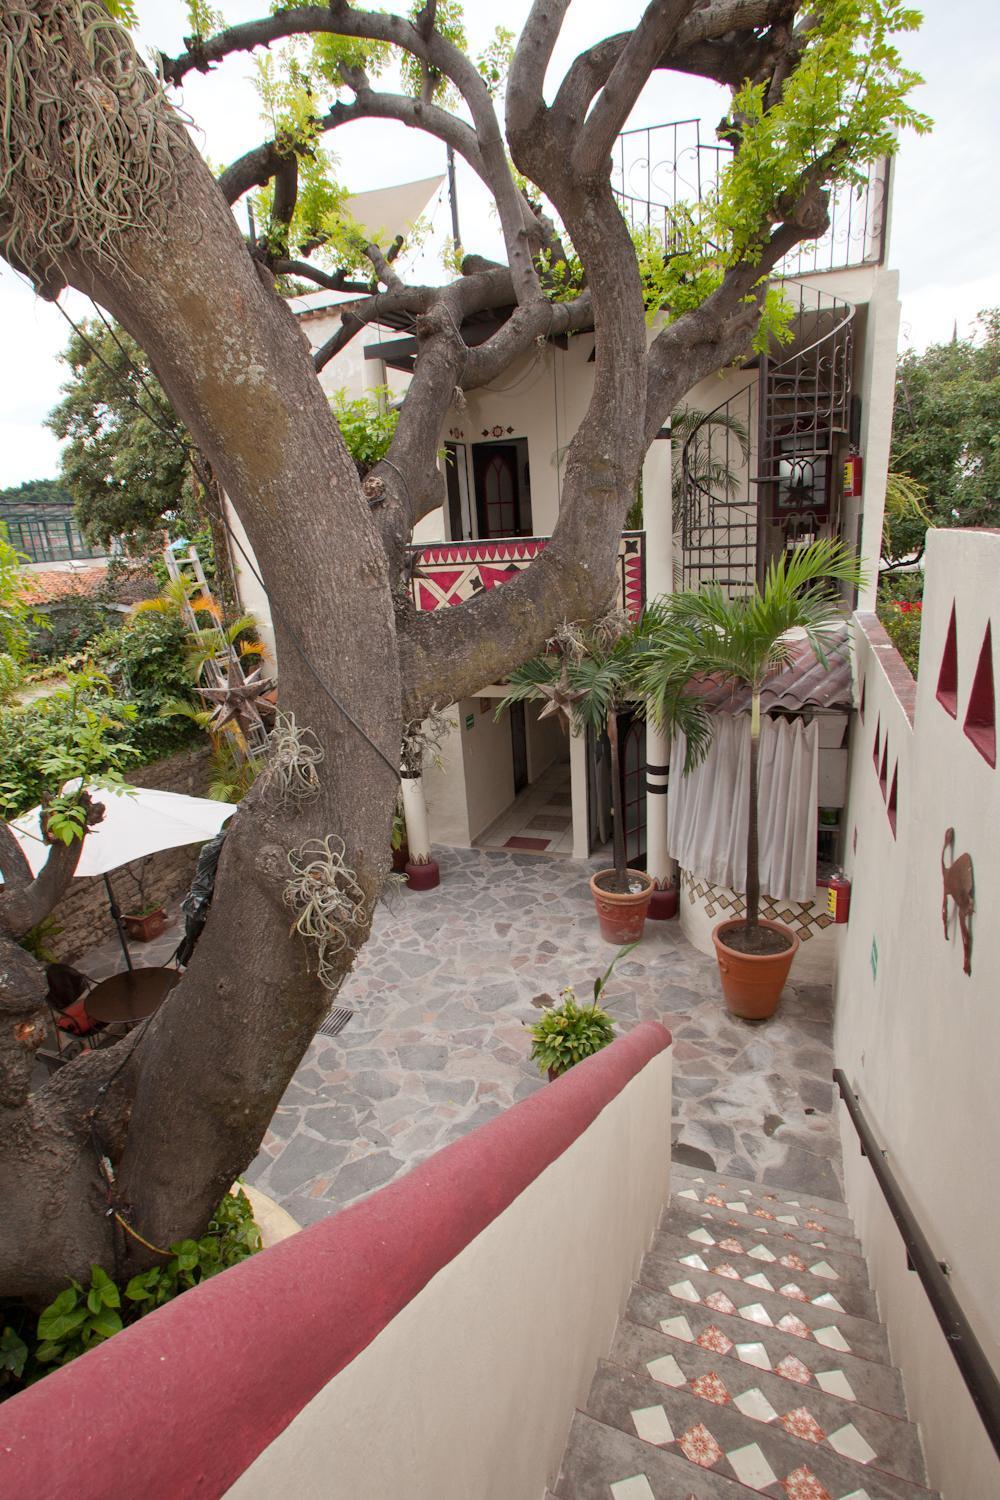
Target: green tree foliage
(124,462)
(945,444)
(367,423)
(36,492)
(17,618)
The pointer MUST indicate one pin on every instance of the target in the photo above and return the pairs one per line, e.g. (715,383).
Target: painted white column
(658,515)
(658,862)
(422,871)
(578,792)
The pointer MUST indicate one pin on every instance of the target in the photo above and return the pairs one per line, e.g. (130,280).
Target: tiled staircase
(750,1360)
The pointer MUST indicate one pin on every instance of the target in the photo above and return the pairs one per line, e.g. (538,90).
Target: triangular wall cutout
(981,714)
(947,684)
(883,775)
(878,740)
(891,805)
(861,706)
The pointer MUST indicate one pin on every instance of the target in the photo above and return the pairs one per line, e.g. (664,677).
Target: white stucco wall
(917,1038)
(488,763)
(469,1391)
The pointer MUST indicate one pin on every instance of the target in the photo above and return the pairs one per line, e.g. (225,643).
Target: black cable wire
(169,432)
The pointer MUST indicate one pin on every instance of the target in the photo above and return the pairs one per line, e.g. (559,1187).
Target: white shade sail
(708,810)
(136,822)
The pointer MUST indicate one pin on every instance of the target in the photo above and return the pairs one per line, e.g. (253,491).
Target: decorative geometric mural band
(804,917)
(448,573)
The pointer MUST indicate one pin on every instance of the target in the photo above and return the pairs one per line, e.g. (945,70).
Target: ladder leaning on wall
(225,668)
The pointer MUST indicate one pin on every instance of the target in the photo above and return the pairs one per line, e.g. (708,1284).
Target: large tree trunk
(199,1085)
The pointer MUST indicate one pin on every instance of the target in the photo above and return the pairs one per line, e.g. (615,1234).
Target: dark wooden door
(495,468)
(519,747)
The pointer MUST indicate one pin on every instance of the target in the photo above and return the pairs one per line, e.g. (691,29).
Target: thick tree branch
(331,281)
(638,58)
(258,166)
(525,84)
(26,902)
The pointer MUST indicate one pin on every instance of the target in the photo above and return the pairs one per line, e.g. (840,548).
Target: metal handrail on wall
(980,1378)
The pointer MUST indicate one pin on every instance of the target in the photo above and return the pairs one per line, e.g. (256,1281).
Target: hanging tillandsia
(330,905)
(87,139)
(293,753)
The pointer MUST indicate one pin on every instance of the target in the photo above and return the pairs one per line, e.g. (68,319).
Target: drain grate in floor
(335,1022)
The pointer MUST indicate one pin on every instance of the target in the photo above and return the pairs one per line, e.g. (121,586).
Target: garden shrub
(81,1316)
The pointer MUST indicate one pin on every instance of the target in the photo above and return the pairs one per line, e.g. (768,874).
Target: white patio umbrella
(137,821)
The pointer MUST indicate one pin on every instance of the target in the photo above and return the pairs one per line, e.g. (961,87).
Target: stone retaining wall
(83,916)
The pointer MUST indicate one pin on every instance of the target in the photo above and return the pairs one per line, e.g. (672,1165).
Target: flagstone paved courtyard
(437,1046)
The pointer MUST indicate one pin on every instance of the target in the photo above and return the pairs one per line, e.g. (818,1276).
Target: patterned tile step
(877,1386)
(840,1331)
(796,1208)
(604,1463)
(886,1443)
(774,1200)
(818,1277)
(754,1229)
(789,1456)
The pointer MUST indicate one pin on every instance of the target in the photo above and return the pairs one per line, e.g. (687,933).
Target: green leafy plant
(77,736)
(705,635)
(367,424)
(84,1315)
(569,1032)
(79,1318)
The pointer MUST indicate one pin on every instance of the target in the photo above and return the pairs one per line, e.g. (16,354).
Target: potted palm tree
(588,675)
(705,635)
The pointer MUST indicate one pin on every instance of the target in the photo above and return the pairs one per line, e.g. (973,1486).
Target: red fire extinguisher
(838,897)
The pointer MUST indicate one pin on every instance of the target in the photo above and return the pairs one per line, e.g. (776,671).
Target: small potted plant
(569,1032)
(147,919)
(588,675)
(706,635)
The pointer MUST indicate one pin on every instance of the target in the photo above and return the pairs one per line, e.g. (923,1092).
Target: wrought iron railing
(980,1378)
(443,574)
(774,443)
(658,169)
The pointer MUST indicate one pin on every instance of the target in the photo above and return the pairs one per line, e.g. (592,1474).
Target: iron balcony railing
(977,1372)
(659,169)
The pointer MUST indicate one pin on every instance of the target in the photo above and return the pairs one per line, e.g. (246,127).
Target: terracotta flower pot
(622,917)
(752,982)
(142,929)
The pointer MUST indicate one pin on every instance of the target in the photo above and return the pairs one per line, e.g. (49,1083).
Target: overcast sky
(946,208)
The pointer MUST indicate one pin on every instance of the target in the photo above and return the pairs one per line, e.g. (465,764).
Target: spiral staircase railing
(760,470)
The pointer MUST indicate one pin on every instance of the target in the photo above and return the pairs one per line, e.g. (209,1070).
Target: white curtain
(707,809)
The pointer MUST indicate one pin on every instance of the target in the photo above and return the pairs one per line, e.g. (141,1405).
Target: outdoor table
(130,996)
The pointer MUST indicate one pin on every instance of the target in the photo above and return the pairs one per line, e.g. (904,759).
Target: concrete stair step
(888,1444)
(605,1463)
(754,1230)
(834,1330)
(762,1456)
(799,1278)
(797,1207)
(868,1382)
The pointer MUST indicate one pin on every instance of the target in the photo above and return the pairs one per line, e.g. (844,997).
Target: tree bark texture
(178,1109)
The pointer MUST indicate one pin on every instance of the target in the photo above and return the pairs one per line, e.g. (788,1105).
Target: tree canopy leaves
(946,437)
